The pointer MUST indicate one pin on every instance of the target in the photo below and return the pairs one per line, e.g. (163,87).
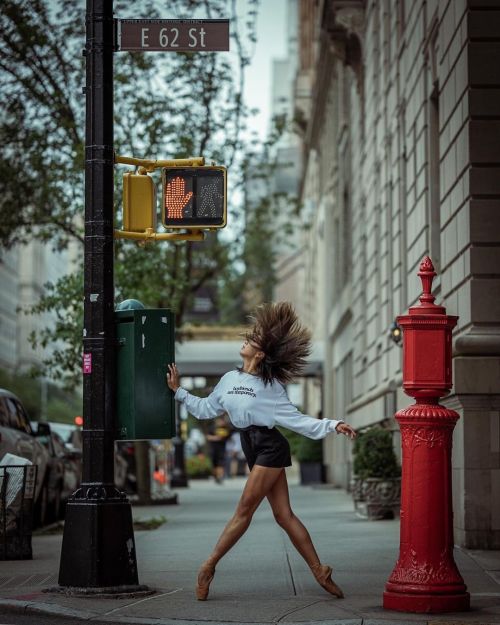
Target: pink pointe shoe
(323,575)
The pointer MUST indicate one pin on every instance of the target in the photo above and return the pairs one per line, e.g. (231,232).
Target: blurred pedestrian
(217,438)
(254,396)
(194,442)
(234,455)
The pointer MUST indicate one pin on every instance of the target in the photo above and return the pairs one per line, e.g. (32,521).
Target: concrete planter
(311,473)
(377,498)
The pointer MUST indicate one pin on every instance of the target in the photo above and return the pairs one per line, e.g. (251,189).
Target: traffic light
(139,202)
(194,197)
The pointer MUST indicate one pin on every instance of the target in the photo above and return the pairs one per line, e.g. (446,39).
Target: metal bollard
(426,578)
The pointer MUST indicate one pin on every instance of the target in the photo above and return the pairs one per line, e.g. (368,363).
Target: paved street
(262,580)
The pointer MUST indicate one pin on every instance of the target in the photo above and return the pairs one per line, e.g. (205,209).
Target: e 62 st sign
(172,35)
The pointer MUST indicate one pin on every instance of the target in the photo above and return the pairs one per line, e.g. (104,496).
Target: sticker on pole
(87,364)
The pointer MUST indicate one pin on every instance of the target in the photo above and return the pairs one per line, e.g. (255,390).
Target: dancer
(253,396)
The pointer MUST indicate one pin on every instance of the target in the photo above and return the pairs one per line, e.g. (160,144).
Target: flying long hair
(285,342)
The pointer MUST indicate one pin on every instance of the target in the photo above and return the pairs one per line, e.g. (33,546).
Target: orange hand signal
(176,197)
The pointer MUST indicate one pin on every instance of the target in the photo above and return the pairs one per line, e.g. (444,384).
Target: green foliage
(374,454)
(63,411)
(302,448)
(198,466)
(175,105)
(26,388)
(64,300)
(309,450)
(62,406)
(294,440)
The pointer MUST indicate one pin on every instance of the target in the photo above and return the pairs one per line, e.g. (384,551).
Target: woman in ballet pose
(253,396)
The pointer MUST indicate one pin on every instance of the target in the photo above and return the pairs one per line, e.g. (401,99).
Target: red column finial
(427,275)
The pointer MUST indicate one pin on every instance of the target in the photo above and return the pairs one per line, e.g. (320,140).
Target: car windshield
(63,429)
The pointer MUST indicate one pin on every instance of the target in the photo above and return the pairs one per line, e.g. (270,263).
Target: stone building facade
(24,271)
(398,102)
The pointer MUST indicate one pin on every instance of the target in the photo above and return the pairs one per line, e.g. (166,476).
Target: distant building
(9,301)
(289,265)
(399,107)
(203,306)
(24,271)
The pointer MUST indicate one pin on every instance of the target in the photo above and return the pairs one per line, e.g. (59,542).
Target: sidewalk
(262,580)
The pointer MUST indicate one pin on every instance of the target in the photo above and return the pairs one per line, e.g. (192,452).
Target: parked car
(18,437)
(72,436)
(125,467)
(65,469)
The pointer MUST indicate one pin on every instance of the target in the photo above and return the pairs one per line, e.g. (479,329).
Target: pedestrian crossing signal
(194,197)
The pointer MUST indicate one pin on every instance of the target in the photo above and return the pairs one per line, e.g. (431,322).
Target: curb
(35,607)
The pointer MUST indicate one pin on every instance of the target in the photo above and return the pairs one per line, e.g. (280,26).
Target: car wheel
(41,510)
(56,511)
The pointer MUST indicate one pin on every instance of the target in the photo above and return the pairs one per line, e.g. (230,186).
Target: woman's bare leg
(259,483)
(280,503)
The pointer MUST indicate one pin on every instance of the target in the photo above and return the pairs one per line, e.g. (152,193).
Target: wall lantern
(395,333)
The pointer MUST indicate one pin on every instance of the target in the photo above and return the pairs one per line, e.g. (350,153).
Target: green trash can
(145,404)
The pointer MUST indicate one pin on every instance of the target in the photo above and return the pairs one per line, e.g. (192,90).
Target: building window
(338,255)
(343,386)
(433,202)
(401,19)
(434,182)
(403,185)
(346,238)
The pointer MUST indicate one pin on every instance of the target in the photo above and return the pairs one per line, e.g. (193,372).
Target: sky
(271,44)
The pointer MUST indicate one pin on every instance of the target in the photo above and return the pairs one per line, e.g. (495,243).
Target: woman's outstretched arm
(288,416)
(200,407)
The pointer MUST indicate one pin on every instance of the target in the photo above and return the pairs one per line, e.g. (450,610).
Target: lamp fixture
(396,333)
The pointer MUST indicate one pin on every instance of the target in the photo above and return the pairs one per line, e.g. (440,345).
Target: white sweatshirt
(248,401)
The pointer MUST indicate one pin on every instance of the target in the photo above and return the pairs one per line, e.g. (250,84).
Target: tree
(266,230)
(41,169)
(187,104)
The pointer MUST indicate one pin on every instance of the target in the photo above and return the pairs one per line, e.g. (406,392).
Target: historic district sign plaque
(172,35)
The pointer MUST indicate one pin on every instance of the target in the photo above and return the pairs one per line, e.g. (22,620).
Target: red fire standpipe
(426,578)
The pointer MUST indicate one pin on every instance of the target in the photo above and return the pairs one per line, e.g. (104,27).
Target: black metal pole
(178,478)
(98,550)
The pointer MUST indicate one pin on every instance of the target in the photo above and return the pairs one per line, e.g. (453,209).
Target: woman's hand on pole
(345,428)
(173,377)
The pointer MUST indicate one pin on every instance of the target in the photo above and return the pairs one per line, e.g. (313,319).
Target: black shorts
(265,447)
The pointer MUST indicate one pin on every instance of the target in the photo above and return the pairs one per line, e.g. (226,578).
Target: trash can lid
(130,304)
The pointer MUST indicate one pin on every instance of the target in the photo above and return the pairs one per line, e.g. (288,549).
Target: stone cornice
(350,14)
(478,341)
(479,403)
(341,34)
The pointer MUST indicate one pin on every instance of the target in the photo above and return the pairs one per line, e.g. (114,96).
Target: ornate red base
(426,603)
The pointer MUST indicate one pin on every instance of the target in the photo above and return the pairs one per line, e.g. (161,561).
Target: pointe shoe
(323,575)
(203,588)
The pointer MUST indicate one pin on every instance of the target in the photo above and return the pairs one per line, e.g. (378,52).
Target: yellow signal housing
(139,202)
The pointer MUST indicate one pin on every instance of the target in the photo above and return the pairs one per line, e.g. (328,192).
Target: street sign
(172,35)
